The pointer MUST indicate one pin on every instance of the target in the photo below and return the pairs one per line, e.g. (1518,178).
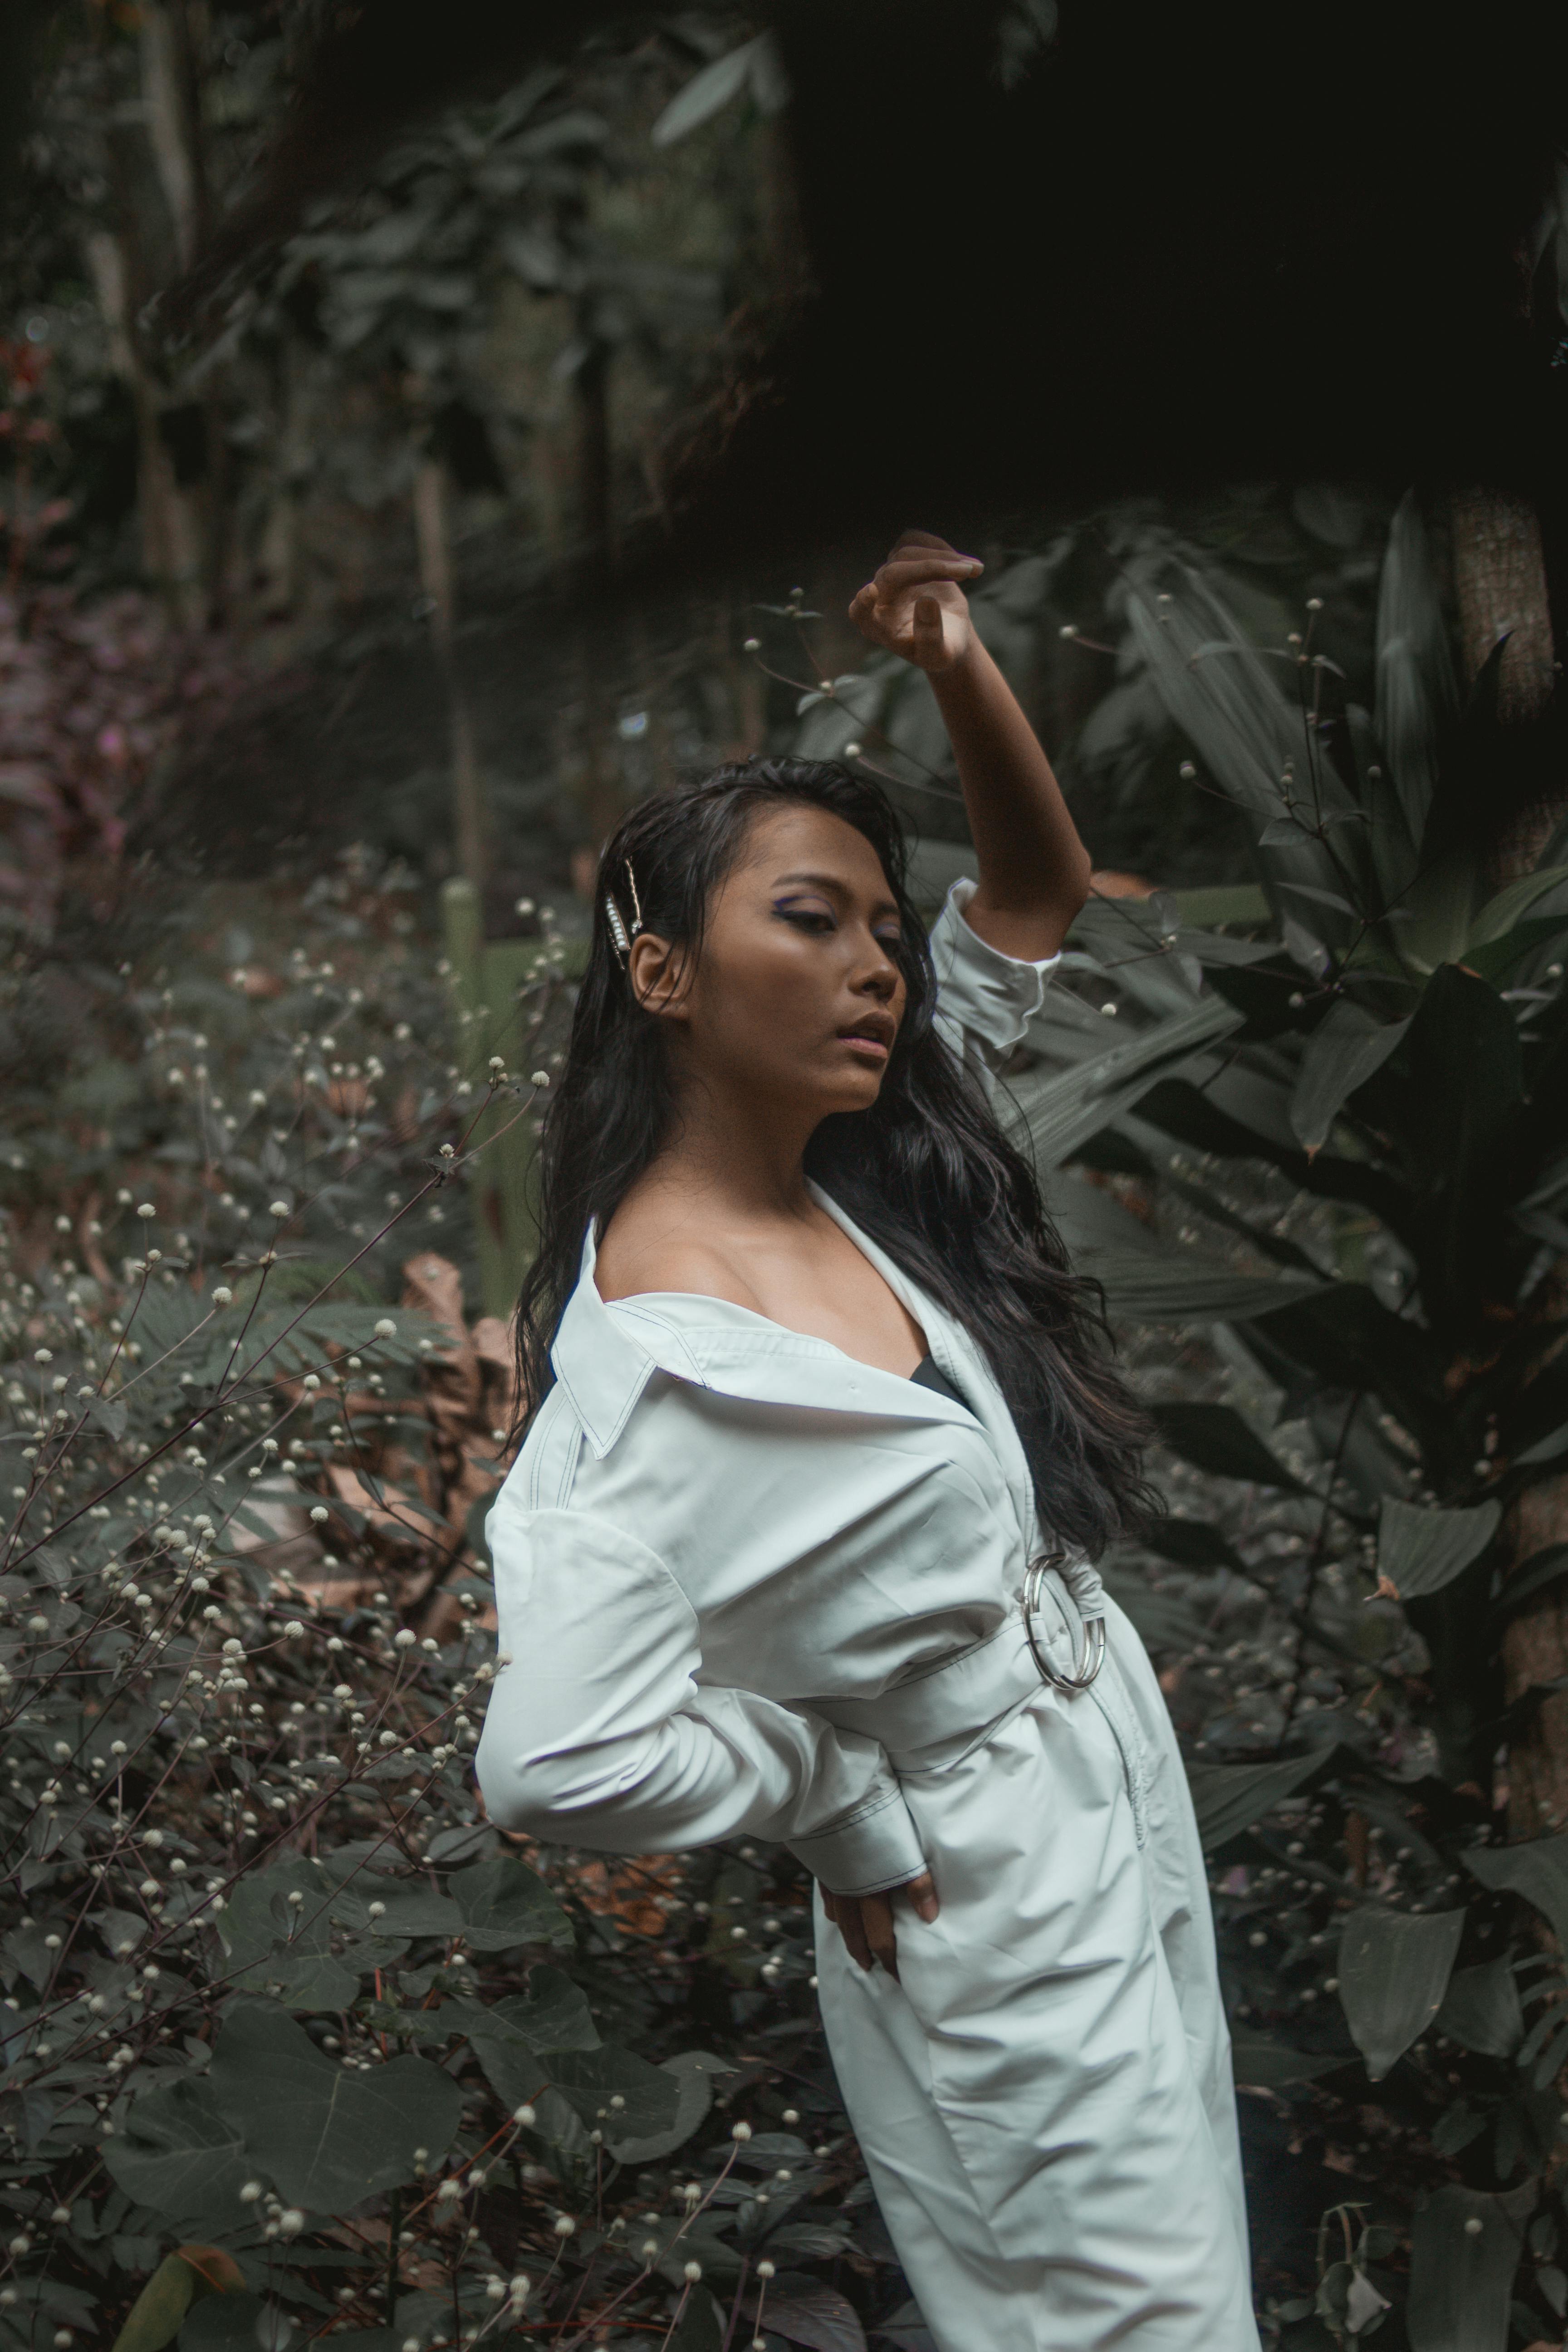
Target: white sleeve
(598,1734)
(985,999)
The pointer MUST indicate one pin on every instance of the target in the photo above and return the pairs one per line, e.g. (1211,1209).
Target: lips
(873,1032)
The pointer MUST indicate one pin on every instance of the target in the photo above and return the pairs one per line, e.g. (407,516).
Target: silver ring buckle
(1088,1667)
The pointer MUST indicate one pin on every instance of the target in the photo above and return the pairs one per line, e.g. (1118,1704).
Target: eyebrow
(833,884)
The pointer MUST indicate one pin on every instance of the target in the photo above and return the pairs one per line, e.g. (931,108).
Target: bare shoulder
(644,1251)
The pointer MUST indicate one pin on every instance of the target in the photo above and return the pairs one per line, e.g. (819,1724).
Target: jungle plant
(296,2046)
(1396,1053)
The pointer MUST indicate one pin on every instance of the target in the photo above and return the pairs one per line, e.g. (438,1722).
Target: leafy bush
(294,2035)
(1347,1145)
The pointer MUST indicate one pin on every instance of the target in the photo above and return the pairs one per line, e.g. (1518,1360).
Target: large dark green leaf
(284,1949)
(1345,1335)
(179,2152)
(503,1903)
(1188,1288)
(692,2073)
(1538,1870)
(1341,1054)
(589,2079)
(1225,700)
(1215,1438)
(511,2037)
(1420,1552)
(1185,1111)
(1394,1970)
(227,2322)
(328,2136)
(1481,2009)
(818,2317)
(1162,1621)
(700,2328)
(1258,2063)
(1229,1797)
(1062,1110)
(1461,2278)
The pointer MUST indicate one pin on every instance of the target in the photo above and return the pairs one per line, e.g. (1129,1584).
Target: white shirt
(716,1522)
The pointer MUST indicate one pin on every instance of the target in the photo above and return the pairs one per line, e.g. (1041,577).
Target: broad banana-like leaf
(1260,2063)
(1229,1797)
(1420,1552)
(1394,1970)
(1214,1437)
(1461,2275)
(1223,695)
(1062,1111)
(1513,902)
(1343,1051)
(1187,1289)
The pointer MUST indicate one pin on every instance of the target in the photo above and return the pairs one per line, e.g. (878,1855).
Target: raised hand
(916,607)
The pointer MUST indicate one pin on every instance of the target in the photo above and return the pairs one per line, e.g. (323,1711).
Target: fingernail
(927,1906)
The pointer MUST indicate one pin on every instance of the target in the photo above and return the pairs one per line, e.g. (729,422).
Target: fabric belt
(934,1720)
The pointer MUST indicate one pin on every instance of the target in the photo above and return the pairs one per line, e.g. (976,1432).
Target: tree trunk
(594,504)
(1500,585)
(171,532)
(433,531)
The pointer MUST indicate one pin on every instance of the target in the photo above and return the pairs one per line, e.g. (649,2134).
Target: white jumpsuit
(748,1585)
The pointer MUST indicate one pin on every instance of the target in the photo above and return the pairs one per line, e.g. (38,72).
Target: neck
(736,1153)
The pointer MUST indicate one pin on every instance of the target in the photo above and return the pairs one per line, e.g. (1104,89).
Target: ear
(656,972)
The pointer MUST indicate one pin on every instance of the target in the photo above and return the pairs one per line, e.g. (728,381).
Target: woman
(822,1403)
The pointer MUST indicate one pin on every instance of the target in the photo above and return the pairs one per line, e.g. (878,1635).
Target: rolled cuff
(875,1847)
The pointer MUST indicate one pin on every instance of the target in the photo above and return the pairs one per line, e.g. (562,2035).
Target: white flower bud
(740,2131)
(565,2226)
(277,1208)
(691,2272)
(764,2270)
(291,2222)
(293,1631)
(319,1516)
(250,2192)
(146,1209)
(523,2116)
(223,1295)
(387,1328)
(404,1639)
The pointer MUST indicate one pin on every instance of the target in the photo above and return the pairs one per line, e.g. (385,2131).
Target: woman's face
(796,993)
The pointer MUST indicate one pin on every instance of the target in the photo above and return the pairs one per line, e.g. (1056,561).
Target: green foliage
(1330,1125)
(1399,1053)
(272,1983)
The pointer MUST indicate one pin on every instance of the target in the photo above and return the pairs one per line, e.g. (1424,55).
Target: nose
(881,977)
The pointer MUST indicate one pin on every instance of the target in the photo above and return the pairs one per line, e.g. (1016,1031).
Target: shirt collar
(605,1356)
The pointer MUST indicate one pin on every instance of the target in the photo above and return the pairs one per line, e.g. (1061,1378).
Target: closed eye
(815,919)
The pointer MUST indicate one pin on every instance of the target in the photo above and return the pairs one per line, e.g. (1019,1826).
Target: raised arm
(1034,869)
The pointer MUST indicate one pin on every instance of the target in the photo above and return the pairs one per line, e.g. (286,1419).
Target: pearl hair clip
(620,939)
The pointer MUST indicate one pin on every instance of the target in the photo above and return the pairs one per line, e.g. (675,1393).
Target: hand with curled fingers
(916,607)
(866,1921)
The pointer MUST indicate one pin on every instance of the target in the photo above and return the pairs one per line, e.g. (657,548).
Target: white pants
(1044,2101)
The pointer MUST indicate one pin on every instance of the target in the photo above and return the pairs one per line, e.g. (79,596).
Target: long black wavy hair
(926,1170)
